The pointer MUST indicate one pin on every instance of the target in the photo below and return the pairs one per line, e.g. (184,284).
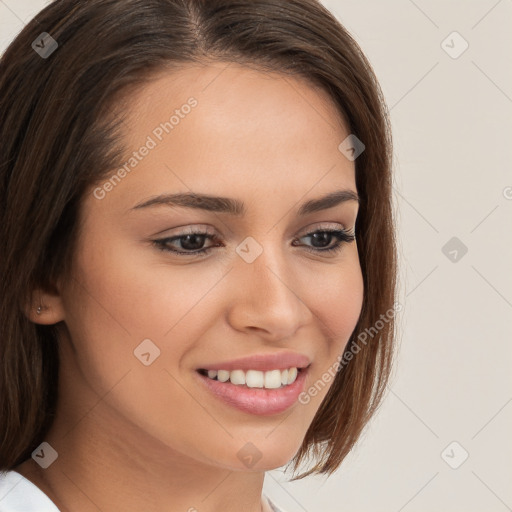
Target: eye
(192,242)
(324,238)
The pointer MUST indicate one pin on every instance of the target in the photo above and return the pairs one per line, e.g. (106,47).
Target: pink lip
(262,362)
(264,402)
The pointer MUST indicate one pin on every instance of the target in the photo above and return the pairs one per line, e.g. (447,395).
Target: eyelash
(342,235)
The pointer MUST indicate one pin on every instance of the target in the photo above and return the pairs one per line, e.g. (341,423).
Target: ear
(45,307)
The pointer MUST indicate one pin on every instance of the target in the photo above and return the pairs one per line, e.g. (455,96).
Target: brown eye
(323,238)
(190,243)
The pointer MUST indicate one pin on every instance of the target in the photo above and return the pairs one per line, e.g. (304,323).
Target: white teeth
(272,379)
(223,375)
(254,379)
(237,377)
(292,375)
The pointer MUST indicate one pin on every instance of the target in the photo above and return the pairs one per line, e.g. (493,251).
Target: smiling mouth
(270,379)
(256,392)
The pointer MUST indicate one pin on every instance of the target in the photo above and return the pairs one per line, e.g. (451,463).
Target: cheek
(337,304)
(114,304)
(121,297)
(337,307)
(129,290)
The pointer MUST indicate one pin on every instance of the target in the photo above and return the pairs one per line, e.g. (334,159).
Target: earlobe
(45,308)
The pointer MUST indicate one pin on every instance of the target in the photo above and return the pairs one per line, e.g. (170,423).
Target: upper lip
(262,362)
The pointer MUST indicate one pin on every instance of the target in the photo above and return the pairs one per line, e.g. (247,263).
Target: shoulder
(19,493)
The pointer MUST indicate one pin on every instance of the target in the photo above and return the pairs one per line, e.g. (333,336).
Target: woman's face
(142,320)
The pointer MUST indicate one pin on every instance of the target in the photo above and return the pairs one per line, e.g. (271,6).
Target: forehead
(247,130)
(233,101)
(219,85)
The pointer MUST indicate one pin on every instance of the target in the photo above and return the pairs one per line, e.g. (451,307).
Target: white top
(18,494)
(273,506)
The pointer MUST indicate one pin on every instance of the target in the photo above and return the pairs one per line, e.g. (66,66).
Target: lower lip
(261,401)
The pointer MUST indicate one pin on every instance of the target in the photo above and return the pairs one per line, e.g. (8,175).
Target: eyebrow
(236,207)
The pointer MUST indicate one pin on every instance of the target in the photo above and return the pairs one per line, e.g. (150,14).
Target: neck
(107,472)
(105,462)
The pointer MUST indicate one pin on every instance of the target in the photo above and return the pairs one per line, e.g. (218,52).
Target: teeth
(272,379)
(237,377)
(223,375)
(255,379)
(292,375)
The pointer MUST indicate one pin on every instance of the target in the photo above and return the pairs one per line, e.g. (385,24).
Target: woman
(197,237)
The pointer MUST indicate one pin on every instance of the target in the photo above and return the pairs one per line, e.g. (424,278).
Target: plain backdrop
(439,440)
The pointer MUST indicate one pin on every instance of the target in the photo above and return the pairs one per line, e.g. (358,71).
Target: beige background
(452,121)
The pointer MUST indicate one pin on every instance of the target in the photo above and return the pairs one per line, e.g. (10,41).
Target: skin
(133,437)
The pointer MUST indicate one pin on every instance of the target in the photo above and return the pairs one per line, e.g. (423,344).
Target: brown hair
(59,136)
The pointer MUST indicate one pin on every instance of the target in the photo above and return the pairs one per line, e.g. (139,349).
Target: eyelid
(187,229)
(322,226)
(209,230)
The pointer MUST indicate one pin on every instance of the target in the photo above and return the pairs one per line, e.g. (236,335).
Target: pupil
(321,236)
(193,246)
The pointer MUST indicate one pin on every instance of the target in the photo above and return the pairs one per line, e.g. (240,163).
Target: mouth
(255,392)
(270,379)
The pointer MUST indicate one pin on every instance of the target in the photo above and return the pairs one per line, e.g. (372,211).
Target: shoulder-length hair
(59,135)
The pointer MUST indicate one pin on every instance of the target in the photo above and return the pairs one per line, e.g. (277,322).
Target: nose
(267,298)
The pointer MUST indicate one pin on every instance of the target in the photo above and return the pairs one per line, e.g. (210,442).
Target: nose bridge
(264,267)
